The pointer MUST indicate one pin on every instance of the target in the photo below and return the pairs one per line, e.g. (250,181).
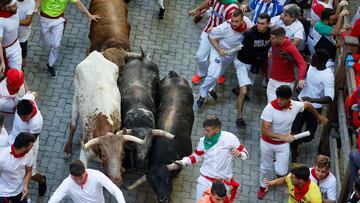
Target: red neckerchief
(299,193)
(316,178)
(34,112)
(85,179)
(14,153)
(5,14)
(276,106)
(13,91)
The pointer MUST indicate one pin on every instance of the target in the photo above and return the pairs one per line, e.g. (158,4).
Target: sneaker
(197,19)
(200,102)
(196,79)
(261,193)
(240,123)
(221,80)
(213,95)
(42,187)
(161,13)
(51,70)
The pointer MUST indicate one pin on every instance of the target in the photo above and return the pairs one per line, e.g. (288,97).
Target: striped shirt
(219,14)
(317,8)
(272,8)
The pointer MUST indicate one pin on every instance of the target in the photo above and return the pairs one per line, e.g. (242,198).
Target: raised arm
(203,6)
(83,9)
(59,193)
(111,187)
(321,119)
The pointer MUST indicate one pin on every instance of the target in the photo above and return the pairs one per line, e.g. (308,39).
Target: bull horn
(90,143)
(158,132)
(133,55)
(133,139)
(142,52)
(137,183)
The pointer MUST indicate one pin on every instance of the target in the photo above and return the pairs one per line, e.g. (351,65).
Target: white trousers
(244,76)
(269,153)
(51,35)
(273,85)
(217,67)
(34,150)
(202,185)
(13,55)
(202,54)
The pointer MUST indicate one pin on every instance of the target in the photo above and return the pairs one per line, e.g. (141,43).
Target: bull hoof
(161,13)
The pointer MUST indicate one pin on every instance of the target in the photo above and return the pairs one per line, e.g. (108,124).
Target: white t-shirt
(25,8)
(33,126)
(92,191)
(295,30)
(282,120)
(9,28)
(3,138)
(12,172)
(229,38)
(7,101)
(327,186)
(218,159)
(318,84)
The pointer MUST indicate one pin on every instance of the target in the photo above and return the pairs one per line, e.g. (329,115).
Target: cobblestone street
(171,43)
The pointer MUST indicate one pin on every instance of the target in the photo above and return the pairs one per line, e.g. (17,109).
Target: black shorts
(24,46)
(14,199)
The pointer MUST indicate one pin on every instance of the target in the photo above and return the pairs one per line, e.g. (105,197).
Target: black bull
(138,83)
(175,115)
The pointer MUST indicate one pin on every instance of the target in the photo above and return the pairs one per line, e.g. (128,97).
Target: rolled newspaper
(234,49)
(301,135)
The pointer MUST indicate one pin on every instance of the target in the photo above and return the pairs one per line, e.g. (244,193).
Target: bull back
(113,28)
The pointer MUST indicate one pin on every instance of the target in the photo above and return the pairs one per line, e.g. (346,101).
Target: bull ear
(163,133)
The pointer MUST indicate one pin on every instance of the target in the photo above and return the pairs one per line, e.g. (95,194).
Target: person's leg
(202,185)
(202,55)
(213,73)
(38,177)
(17,199)
(266,161)
(45,31)
(56,36)
(270,90)
(282,159)
(24,46)
(13,54)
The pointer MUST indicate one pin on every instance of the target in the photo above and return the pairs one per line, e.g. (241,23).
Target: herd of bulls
(119,97)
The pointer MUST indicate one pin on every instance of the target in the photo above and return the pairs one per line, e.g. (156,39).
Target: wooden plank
(335,160)
(344,134)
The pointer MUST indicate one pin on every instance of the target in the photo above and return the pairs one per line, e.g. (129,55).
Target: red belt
(51,17)
(235,185)
(271,141)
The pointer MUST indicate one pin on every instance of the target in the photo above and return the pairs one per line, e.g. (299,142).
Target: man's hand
(301,84)
(307,99)
(343,13)
(236,152)
(24,193)
(174,166)
(93,18)
(222,52)
(268,183)
(322,120)
(194,12)
(343,3)
(243,8)
(2,66)
(288,138)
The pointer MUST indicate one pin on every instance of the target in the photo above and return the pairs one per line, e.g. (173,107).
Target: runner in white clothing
(26,10)
(85,186)
(217,148)
(10,51)
(15,169)
(293,27)
(3,133)
(28,119)
(321,175)
(223,37)
(277,119)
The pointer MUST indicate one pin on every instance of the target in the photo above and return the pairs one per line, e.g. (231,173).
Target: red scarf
(5,14)
(34,112)
(276,106)
(316,178)
(14,153)
(85,179)
(241,28)
(299,193)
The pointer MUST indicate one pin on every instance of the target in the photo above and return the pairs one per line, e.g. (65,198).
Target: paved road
(172,44)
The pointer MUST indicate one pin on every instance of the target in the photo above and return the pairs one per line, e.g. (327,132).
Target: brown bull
(113,29)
